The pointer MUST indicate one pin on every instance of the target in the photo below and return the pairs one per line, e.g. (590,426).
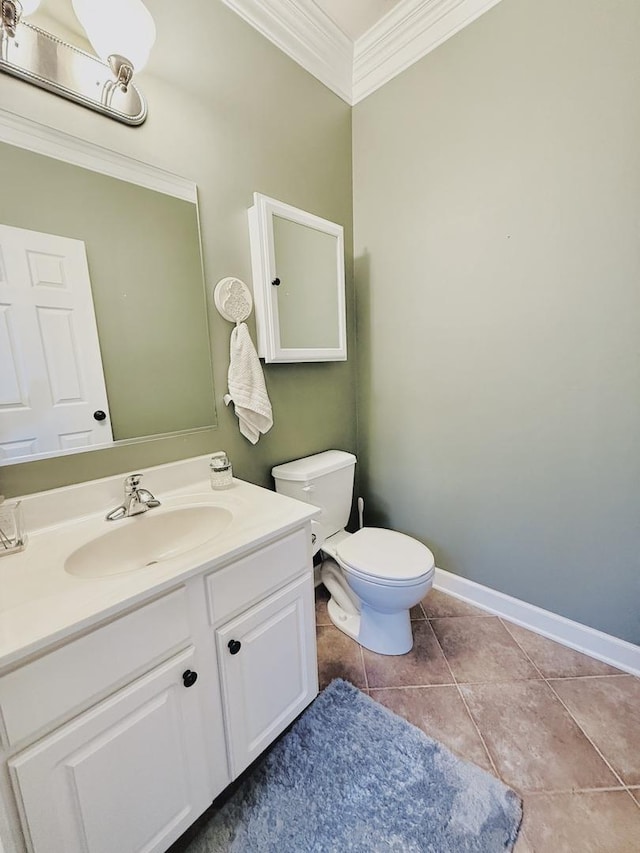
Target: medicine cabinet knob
(189,677)
(234,646)
(276,282)
(99,415)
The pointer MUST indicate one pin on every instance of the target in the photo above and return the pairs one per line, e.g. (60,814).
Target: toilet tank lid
(314,466)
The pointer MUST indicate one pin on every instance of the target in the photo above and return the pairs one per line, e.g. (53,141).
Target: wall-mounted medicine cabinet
(298,283)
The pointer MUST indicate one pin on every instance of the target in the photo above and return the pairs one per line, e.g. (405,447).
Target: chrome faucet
(136,500)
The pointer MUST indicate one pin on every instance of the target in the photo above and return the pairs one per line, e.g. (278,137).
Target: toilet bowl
(375,576)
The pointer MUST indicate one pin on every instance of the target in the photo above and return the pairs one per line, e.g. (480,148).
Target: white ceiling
(355,17)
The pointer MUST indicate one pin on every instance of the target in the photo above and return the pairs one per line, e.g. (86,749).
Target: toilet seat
(385,582)
(385,557)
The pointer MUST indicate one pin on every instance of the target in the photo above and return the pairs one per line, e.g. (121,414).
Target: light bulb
(122,27)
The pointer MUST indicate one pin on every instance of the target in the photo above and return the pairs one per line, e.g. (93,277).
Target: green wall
(230,111)
(496,209)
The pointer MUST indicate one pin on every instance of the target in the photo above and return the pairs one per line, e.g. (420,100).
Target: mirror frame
(263,262)
(41,139)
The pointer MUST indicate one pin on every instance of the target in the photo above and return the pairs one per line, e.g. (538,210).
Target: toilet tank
(324,480)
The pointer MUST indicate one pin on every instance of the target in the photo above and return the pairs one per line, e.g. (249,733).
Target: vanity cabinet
(268,670)
(129,730)
(128,775)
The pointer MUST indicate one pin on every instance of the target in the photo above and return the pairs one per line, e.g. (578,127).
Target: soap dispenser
(12,534)
(220,471)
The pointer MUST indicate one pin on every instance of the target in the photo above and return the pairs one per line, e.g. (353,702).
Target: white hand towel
(246,386)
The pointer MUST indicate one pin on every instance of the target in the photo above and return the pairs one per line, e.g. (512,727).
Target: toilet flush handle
(308,488)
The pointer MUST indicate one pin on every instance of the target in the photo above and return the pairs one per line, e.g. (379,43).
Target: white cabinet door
(51,381)
(298,283)
(269,672)
(129,775)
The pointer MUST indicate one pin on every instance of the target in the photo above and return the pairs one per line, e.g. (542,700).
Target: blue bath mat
(352,776)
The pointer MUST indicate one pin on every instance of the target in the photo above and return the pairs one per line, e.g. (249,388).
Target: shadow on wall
(376,512)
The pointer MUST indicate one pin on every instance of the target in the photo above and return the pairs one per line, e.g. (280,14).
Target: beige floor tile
(437,604)
(481,650)
(608,709)
(533,741)
(441,714)
(555,660)
(338,657)
(635,793)
(586,822)
(417,613)
(522,845)
(423,665)
(322,597)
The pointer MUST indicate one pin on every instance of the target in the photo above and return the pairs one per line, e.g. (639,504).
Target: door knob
(234,646)
(99,415)
(276,282)
(189,677)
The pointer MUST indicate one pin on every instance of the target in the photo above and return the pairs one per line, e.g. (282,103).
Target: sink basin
(146,539)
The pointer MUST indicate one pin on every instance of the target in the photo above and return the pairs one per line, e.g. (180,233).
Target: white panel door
(128,776)
(51,380)
(269,669)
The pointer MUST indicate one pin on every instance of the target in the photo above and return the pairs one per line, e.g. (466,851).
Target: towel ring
(233,299)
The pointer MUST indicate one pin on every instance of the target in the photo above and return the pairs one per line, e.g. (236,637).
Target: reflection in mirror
(307,308)
(143,268)
(52,386)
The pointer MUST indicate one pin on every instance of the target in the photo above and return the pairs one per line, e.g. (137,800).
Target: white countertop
(40,603)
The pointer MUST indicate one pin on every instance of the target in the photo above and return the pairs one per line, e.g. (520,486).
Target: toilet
(374,576)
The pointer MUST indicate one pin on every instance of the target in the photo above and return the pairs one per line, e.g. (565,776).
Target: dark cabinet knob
(99,415)
(276,282)
(189,677)
(234,646)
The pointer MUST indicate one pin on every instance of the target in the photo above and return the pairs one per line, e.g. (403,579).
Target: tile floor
(559,727)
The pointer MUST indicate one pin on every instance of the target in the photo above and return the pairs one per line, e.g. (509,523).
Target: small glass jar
(220,471)
(12,533)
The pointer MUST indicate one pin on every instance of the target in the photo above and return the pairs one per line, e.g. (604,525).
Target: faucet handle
(131,483)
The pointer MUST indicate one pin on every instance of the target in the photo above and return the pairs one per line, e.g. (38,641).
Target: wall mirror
(138,364)
(298,282)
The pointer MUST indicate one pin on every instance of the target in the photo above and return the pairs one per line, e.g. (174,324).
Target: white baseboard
(604,647)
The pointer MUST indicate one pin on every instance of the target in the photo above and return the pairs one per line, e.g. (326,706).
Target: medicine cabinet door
(298,281)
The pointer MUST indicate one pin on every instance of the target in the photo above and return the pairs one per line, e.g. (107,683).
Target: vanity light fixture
(122,33)
(13,11)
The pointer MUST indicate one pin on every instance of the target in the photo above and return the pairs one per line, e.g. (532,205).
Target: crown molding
(306,34)
(408,32)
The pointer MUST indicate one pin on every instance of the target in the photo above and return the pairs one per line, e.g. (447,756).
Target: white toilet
(375,576)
